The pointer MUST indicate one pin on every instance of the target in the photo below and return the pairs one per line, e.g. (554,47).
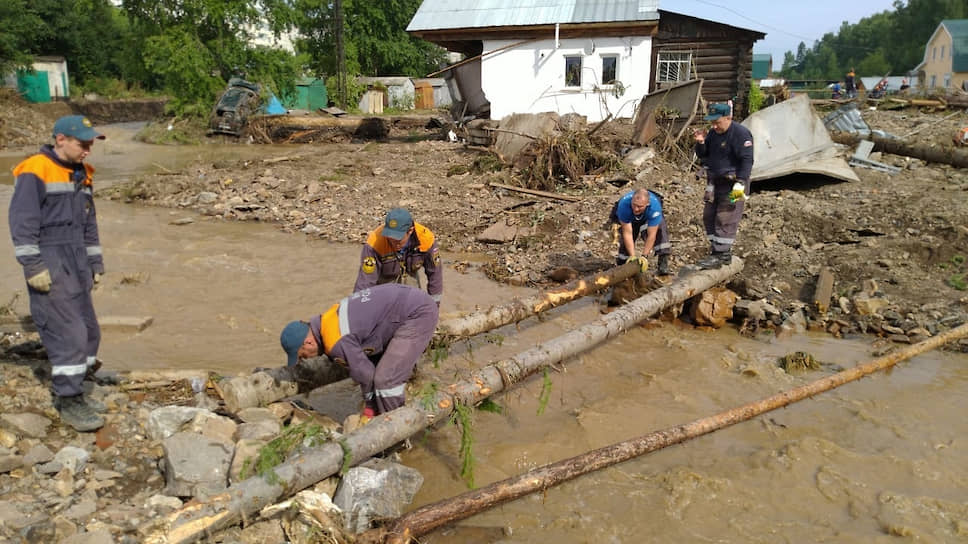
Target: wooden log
(943,154)
(824,290)
(556,196)
(198,519)
(267,386)
(429,517)
(523,308)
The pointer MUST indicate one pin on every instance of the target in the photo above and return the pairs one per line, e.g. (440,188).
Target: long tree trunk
(523,308)
(944,154)
(243,499)
(258,390)
(427,518)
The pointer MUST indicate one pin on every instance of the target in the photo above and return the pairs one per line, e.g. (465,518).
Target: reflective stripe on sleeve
(93,250)
(344,316)
(59,187)
(437,297)
(26,249)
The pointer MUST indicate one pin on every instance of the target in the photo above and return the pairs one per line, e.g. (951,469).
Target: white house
(591,57)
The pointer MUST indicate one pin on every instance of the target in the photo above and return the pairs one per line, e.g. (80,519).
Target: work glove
(40,281)
(738,192)
(97,278)
(641,261)
(708,196)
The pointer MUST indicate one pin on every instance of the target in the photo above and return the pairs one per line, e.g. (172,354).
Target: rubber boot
(78,414)
(663,268)
(715,260)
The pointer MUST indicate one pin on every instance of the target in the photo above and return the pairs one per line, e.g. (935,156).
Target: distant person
(399,249)
(378,333)
(849,85)
(53,225)
(835,90)
(905,85)
(726,152)
(637,209)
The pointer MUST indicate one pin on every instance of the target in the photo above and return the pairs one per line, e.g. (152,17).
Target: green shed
(310,95)
(762,65)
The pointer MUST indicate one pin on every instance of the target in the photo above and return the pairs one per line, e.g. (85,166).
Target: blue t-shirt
(652,215)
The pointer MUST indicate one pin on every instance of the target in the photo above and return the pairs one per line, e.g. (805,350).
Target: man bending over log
(378,333)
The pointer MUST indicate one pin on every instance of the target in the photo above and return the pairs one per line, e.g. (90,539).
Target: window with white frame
(609,69)
(947,81)
(573,71)
(673,66)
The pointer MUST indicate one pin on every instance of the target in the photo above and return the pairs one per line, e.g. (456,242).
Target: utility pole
(340,56)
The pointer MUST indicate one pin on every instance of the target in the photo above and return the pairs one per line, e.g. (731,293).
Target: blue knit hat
(292,339)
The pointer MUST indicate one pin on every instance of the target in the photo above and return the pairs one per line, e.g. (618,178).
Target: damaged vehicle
(241,99)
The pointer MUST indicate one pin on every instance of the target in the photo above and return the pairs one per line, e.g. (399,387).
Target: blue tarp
(274,107)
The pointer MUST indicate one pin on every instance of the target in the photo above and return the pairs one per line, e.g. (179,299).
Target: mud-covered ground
(900,239)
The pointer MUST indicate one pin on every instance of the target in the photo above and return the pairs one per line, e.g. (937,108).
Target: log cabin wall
(721,55)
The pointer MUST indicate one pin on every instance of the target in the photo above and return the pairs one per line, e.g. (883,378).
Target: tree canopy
(890,42)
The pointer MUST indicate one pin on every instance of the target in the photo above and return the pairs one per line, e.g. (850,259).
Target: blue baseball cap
(77,126)
(292,339)
(716,111)
(398,223)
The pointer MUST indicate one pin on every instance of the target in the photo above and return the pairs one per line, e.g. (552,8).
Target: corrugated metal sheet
(451,14)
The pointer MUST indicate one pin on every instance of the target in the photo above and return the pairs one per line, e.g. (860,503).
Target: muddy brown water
(878,460)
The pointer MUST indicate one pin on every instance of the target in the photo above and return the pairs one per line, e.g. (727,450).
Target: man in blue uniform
(378,332)
(630,213)
(727,154)
(399,249)
(53,225)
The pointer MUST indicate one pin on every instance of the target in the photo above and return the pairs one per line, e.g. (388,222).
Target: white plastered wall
(530,78)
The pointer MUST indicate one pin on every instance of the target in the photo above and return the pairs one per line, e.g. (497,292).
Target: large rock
(195,466)
(377,489)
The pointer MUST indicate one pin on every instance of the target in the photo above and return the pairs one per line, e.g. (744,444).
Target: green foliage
(462,416)
(428,396)
(545,395)
(488,405)
(756,98)
(957,279)
(889,42)
(347,455)
(184,66)
(439,350)
(276,451)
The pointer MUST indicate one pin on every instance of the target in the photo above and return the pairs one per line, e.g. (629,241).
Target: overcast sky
(785,22)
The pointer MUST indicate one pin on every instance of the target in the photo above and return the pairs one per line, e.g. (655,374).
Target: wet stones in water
(799,361)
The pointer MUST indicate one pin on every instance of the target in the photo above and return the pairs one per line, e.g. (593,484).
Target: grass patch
(799,361)
(545,394)
(275,452)
(462,416)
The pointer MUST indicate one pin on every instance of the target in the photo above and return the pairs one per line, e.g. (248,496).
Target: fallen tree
(432,516)
(944,154)
(270,385)
(523,308)
(243,499)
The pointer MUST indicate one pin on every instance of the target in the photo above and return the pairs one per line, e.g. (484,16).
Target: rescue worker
(399,249)
(727,154)
(53,225)
(630,213)
(378,332)
(849,85)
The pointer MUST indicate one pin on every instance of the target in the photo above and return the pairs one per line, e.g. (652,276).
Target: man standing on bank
(727,153)
(633,211)
(378,332)
(53,225)
(399,249)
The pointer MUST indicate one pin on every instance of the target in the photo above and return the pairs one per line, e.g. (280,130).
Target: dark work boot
(78,414)
(663,268)
(715,260)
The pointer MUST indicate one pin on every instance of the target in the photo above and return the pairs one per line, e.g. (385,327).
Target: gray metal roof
(452,14)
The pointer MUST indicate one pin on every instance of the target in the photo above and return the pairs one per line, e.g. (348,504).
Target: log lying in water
(427,518)
(523,308)
(243,499)
(944,154)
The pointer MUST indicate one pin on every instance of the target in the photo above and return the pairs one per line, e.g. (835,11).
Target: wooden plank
(121,323)
(825,289)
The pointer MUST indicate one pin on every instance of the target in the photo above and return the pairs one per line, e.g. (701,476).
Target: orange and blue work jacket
(52,219)
(379,263)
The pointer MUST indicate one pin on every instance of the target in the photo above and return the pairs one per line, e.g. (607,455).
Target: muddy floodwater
(883,459)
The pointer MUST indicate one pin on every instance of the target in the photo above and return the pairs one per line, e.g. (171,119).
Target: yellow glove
(40,281)
(738,192)
(97,278)
(642,262)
